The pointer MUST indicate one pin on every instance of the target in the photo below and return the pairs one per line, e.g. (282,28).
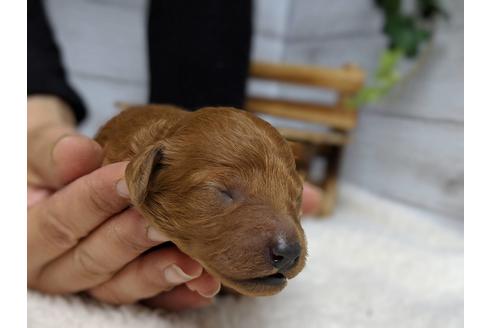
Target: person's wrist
(48,110)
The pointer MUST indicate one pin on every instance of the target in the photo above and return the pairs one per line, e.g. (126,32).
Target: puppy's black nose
(284,255)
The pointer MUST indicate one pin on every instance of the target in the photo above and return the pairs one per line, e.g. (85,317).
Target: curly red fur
(179,163)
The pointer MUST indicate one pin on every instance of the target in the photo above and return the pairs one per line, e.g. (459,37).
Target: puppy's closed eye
(226,195)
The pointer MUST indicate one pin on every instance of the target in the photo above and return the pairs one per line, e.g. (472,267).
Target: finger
(205,285)
(311,199)
(57,224)
(179,299)
(75,156)
(35,195)
(57,155)
(103,253)
(148,276)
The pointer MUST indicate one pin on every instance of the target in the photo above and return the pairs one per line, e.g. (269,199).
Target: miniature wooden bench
(339,118)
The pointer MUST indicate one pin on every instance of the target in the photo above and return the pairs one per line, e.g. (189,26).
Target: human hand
(82,238)
(311,199)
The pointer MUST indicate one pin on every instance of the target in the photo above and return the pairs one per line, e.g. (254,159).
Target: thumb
(57,155)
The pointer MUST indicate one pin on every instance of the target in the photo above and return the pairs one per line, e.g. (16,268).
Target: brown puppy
(221,183)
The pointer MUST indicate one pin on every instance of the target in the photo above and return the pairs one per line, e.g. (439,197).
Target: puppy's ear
(140,171)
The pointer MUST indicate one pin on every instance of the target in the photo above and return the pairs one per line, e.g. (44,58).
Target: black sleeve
(45,73)
(199,52)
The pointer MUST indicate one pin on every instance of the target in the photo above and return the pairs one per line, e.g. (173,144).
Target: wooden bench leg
(333,157)
(303,154)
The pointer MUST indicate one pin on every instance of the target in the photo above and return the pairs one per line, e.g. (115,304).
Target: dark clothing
(45,73)
(198,54)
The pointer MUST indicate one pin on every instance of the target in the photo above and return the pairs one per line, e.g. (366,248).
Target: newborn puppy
(221,183)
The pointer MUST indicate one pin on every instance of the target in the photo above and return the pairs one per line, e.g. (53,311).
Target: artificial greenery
(406,33)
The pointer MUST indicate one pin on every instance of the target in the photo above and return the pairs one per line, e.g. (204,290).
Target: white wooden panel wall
(409,148)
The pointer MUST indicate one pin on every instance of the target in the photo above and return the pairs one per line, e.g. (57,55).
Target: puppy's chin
(266,285)
(261,286)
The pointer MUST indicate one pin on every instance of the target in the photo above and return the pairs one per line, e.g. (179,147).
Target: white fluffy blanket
(373,264)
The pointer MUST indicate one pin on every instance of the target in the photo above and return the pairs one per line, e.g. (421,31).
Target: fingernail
(155,235)
(122,189)
(175,275)
(209,294)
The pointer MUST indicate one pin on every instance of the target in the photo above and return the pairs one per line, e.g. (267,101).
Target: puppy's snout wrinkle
(284,255)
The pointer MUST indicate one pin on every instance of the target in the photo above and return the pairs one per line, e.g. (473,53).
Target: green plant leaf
(430,9)
(406,34)
(385,78)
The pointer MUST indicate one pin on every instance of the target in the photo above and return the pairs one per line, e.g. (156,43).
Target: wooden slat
(317,138)
(348,79)
(331,181)
(335,117)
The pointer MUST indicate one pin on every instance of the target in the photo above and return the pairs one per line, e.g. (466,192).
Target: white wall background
(410,148)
